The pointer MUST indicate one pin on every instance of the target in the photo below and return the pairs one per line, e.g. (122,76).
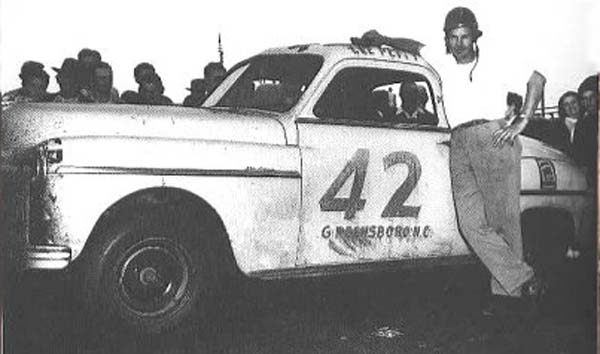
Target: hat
(197,85)
(213,66)
(137,71)
(70,66)
(32,69)
(87,52)
(462,17)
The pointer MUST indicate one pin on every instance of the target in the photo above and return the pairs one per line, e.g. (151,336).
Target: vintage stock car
(296,166)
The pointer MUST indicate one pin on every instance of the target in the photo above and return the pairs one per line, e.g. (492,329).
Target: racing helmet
(462,17)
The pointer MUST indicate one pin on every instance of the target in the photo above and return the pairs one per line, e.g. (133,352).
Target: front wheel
(150,273)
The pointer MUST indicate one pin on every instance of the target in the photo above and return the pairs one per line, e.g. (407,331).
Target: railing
(547,112)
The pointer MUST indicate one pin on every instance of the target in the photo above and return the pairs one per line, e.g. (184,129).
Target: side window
(378,95)
(271,82)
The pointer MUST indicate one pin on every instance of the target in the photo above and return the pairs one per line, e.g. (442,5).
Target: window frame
(240,69)
(307,113)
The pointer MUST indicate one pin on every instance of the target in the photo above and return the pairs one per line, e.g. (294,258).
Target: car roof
(339,51)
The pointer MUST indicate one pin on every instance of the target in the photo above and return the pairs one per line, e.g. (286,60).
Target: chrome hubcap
(153,276)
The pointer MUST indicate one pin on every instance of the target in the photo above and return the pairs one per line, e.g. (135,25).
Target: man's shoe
(533,288)
(533,292)
(500,307)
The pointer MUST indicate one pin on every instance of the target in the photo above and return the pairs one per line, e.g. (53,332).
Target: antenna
(220,50)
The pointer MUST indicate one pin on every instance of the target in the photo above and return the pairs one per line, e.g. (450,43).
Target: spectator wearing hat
(87,59)
(89,56)
(214,73)
(197,93)
(34,83)
(67,79)
(101,90)
(140,70)
(152,89)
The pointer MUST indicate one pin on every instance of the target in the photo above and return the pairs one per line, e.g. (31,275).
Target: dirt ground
(433,311)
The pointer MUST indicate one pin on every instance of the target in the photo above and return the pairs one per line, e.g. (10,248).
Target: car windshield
(271,82)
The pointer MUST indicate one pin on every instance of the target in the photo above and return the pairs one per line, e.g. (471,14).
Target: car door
(374,189)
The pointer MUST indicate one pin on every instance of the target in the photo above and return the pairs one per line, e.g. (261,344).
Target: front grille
(40,217)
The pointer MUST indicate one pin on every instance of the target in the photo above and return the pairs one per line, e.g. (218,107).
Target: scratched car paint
(298,193)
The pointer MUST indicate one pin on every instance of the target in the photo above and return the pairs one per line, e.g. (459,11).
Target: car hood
(27,124)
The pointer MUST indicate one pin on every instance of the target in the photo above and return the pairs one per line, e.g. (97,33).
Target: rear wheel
(150,272)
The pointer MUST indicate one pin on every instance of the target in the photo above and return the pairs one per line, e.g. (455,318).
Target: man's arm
(535,89)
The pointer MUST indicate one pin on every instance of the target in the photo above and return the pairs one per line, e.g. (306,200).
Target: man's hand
(509,133)
(369,38)
(535,89)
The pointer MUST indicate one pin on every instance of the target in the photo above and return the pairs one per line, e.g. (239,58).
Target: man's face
(198,91)
(142,73)
(572,107)
(460,43)
(589,101)
(36,86)
(149,89)
(103,79)
(67,83)
(90,59)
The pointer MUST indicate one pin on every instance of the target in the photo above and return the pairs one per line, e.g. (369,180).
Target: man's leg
(499,176)
(468,152)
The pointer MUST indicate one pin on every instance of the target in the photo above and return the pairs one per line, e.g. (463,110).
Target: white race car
(297,165)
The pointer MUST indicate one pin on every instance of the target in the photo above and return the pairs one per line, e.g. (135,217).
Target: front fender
(254,188)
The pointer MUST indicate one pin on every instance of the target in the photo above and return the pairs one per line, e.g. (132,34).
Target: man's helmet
(462,17)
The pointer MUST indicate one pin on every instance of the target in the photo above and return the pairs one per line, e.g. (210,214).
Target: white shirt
(570,123)
(485,96)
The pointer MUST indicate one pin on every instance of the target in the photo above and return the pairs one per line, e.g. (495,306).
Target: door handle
(445,142)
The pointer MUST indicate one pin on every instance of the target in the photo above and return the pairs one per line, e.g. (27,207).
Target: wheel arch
(149,199)
(547,232)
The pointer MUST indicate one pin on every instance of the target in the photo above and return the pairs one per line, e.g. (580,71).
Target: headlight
(48,153)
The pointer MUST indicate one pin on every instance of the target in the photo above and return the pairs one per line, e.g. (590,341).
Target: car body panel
(273,179)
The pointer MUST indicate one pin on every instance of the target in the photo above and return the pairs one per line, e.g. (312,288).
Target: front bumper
(47,257)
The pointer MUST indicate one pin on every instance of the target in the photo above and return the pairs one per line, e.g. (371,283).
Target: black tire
(545,241)
(150,272)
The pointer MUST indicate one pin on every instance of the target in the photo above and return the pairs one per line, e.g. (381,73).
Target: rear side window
(378,95)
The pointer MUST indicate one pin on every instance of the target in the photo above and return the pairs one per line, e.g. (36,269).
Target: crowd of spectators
(575,130)
(88,79)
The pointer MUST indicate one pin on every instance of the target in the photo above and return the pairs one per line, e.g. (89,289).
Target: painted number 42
(358,166)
